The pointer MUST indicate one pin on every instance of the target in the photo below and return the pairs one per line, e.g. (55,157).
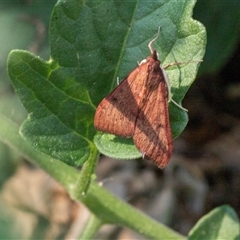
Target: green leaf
(116,147)
(92,44)
(220,223)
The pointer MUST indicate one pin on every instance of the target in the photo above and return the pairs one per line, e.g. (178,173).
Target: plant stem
(92,226)
(100,202)
(86,174)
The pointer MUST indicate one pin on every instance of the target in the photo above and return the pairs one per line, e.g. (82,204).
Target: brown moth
(138,108)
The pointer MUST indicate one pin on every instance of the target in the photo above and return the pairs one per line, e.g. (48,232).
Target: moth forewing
(138,107)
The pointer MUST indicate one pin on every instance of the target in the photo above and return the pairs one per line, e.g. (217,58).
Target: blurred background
(204,171)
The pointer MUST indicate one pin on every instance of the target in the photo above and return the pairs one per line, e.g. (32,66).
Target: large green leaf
(92,44)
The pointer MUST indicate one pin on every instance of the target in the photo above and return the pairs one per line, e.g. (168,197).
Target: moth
(138,108)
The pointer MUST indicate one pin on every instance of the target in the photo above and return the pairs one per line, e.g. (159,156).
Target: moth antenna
(169,89)
(184,109)
(168,83)
(153,40)
(180,63)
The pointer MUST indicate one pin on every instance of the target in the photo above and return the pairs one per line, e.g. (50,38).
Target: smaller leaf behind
(221,223)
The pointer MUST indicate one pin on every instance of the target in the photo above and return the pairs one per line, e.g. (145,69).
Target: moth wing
(117,112)
(152,135)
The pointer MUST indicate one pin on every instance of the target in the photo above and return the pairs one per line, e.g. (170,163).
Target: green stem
(115,211)
(63,173)
(86,174)
(100,202)
(92,226)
